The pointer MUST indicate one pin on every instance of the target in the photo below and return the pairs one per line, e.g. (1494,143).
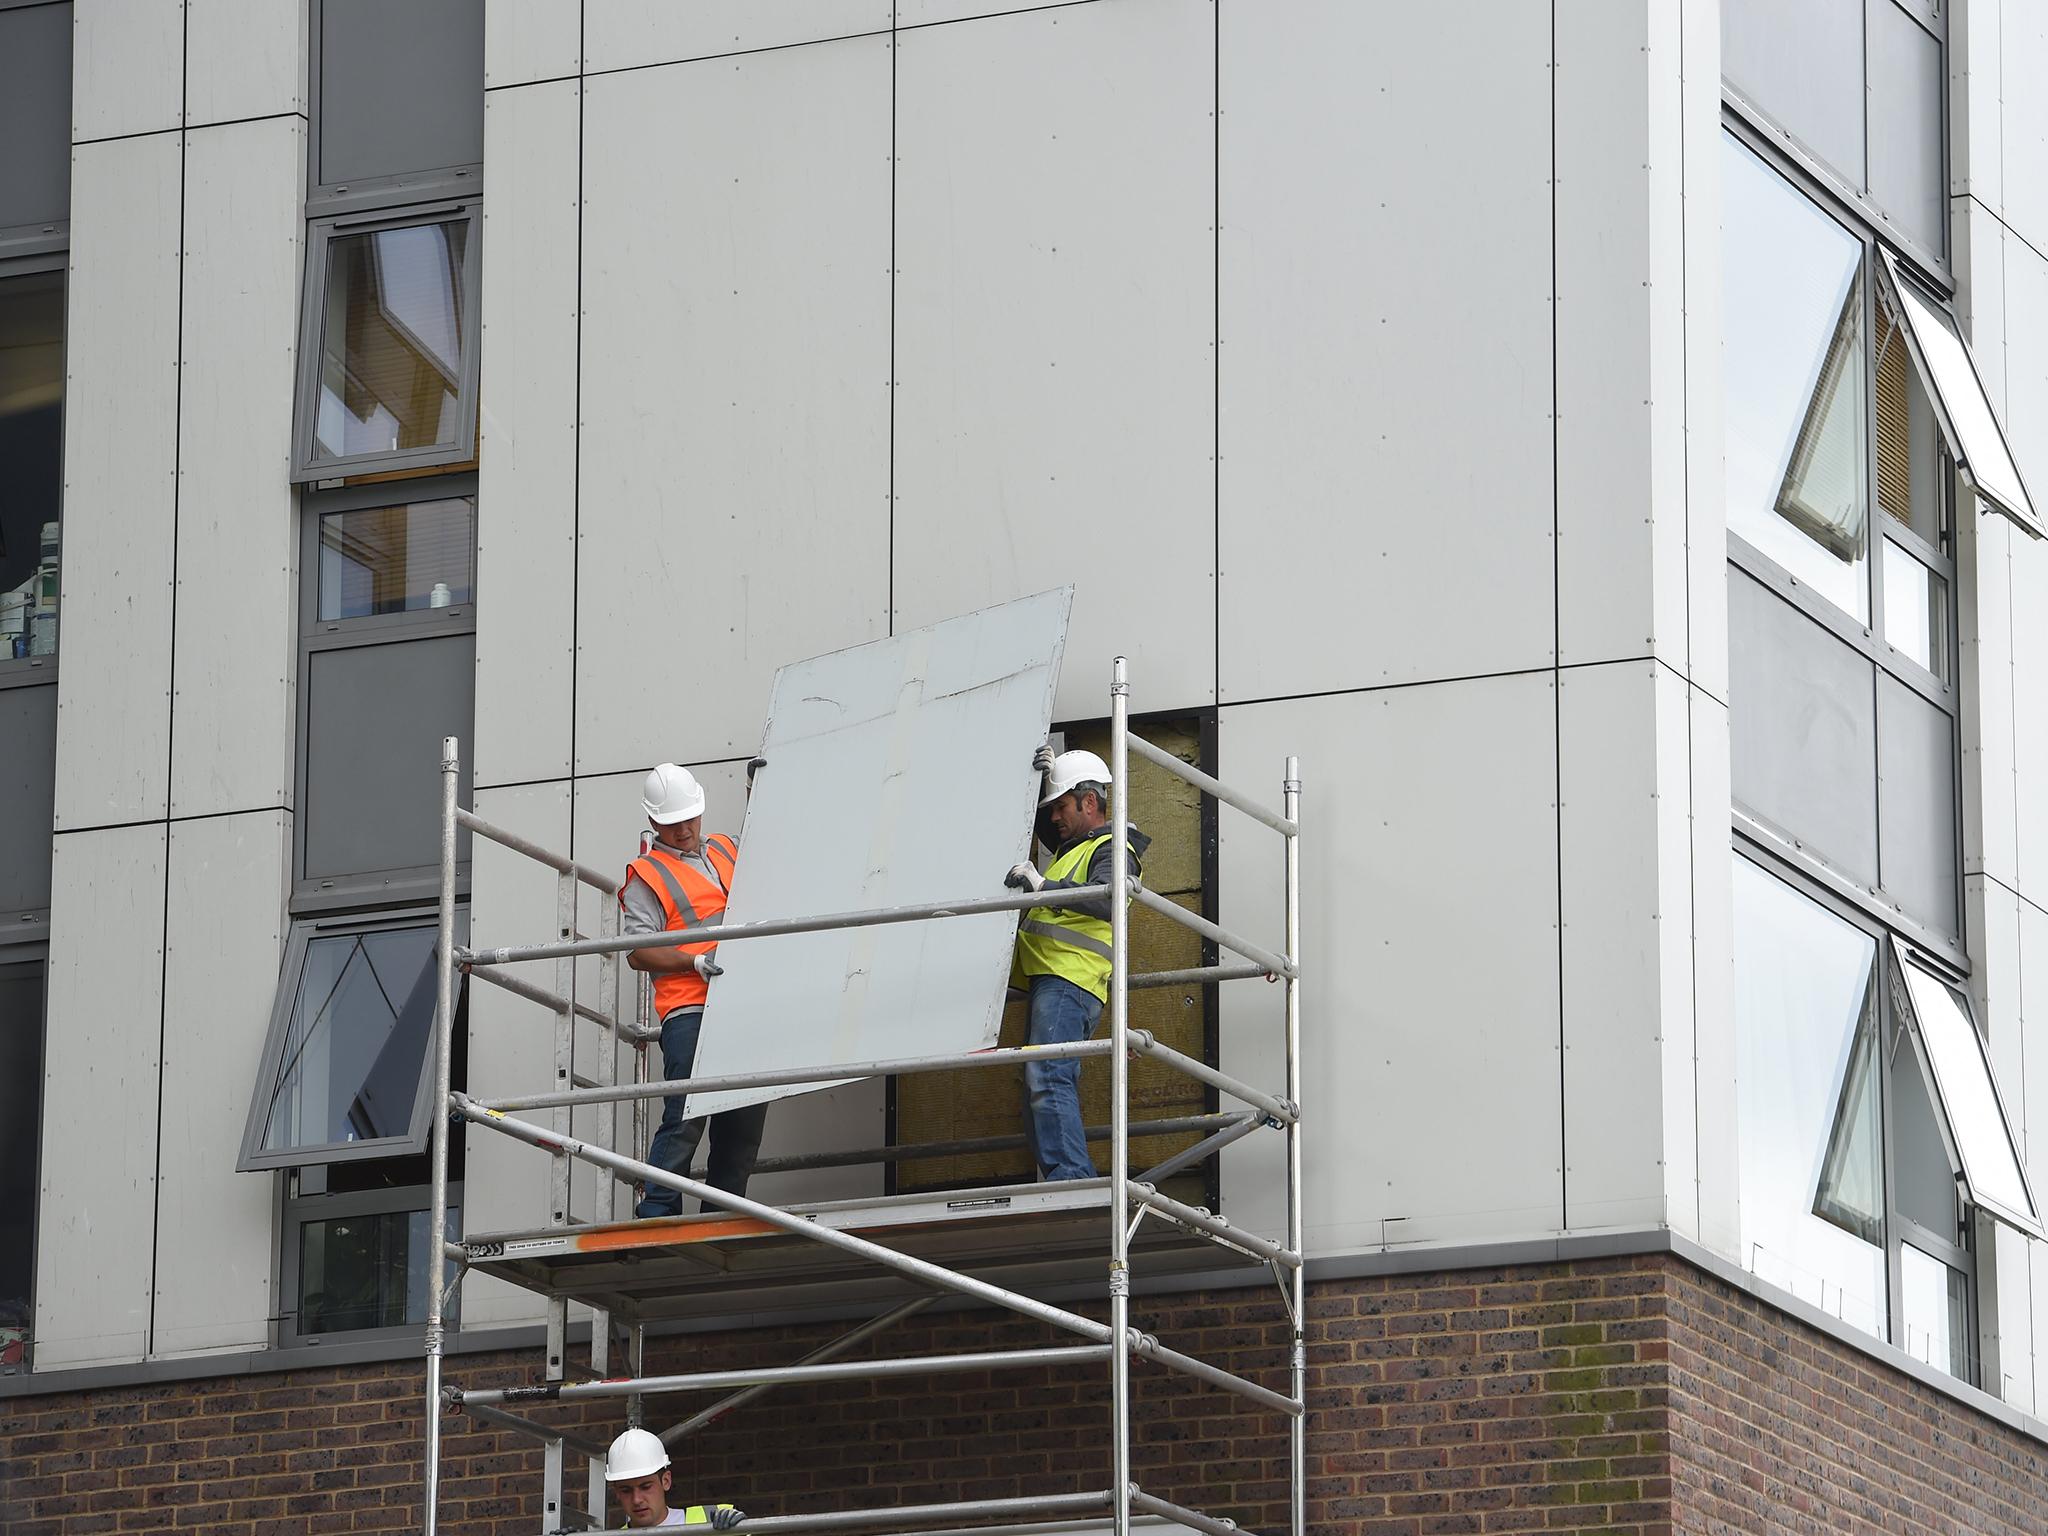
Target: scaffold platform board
(682,1267)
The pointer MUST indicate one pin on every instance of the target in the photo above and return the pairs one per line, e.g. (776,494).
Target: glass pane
(1909,457)
(367,1271)
(1934,1301)
(396,559)
(1810,1146)
(393,339)
(357,1040)
(32,449)
(1914,608)
(1963,1075)
(1979,444)
(21,1086)
(1798,435)
(1802,62)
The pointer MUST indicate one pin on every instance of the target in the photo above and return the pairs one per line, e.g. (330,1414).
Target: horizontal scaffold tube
(786,1375)
(1241,1125)
(903,1066)
(1151,1349)
(1180,1514)
(1010,1528)
(1215,1226)
(1143,1043)
(1278,965)
(931,1274)
(924,1514)
(1210,786)
(552,1001)
(730,933)
(504,1420)
(555,861)
(1198,973)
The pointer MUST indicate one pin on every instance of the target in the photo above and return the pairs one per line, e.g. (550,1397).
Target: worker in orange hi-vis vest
(681,882)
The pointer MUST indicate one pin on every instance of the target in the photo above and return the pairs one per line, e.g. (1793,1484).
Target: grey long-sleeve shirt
(1097,872)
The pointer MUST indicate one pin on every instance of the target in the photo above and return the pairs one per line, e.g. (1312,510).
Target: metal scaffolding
(901,1253)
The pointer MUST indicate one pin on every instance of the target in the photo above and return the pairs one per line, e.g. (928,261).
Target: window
(1858,86)
(388,379)
(1872,1138)
(21,1119)
(32,448)
(355,1261)
(35,125)
(345,1070)
(387,657)
(398,99)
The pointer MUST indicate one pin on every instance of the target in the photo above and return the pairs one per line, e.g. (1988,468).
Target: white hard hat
(1071,768)
(672,794)
(636,1453)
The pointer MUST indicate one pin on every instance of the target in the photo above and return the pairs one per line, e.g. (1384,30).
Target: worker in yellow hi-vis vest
(636,1470)
(1063,952)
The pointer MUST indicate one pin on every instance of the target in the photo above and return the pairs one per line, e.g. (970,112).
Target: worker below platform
(1063,953)
(681,882)
(636,1469)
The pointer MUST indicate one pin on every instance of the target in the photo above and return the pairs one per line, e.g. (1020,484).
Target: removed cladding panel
(899,772)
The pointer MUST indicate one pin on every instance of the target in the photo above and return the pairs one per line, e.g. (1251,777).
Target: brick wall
(1629,1394)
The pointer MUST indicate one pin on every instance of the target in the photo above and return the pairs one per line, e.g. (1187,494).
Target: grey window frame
(53,236)
(31,951)
(254,1157)
(371,192)
(297,1211)
(1867,638)
(1763,129)
(1893,952)
(36,671)
(320,236)
(413,882)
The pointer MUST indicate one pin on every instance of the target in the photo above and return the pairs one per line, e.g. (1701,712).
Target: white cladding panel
(237,518)
(2026,1090)
(1054,314)
(215,1256)
(2025,398)
(899,773)
(120,462)
(925,13)
(1713,980)
(1626,945)
(529,40)
(735,451)
(2023,145)
(2011,1262)
(526,524)
(1385,393)
(2029,576)
(1706,514)
(243,59)
(127,70)
(511,1041)
(1430,988)
(625,34)
(1985,628)
(1976,115)
(1993,915)
(97,1222)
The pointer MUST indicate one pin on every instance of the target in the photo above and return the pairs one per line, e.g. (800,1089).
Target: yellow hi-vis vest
(1055,941)
(700,1514)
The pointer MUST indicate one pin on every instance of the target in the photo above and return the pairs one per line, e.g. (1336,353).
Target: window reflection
(1934,1300)
(367,1271)
(1796,369)
(32,452)
(352,1055)
(21,1082)
(392,341)
(1811,1139)
(396,559)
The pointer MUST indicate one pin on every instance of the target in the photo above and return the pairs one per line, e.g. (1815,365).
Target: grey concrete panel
(35,115)
(375,716)
(1916,805)
(1907,177)
(898,772)
(1055,304)
(101,1062)
(224,931)
(1385,375)
(28,796)
(629,34)
(243,59)
(1802,729)
(1803,64)
(530,40)
(136,82)
(401,87)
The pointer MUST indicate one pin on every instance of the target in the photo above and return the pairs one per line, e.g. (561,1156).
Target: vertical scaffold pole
(1298,1352)
(554,1453)
(1119,1101)
(444,1035)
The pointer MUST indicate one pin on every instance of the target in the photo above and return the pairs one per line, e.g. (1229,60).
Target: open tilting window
(344,1073)
(388,354)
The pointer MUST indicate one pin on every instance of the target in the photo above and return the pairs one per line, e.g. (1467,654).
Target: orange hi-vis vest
(690,901)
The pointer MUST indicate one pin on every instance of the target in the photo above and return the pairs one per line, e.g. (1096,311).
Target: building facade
(1594,436)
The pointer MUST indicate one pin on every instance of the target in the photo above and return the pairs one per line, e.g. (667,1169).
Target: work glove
(708,968)
(1024,877)
(1042,759)
(725,1517)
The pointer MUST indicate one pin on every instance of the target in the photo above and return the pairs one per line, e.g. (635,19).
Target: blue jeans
(735,1134)
(1060,1012)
